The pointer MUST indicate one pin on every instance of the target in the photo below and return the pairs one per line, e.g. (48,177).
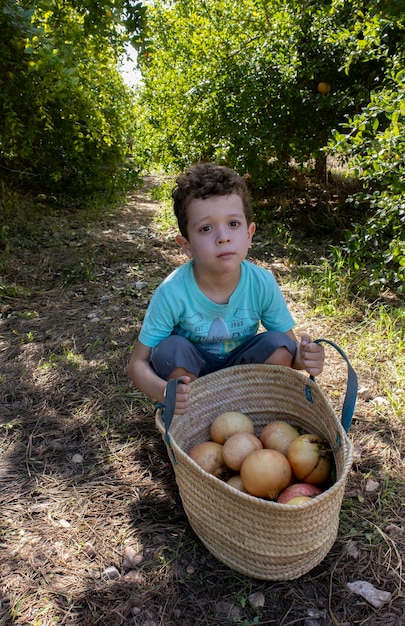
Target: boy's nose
(222,236)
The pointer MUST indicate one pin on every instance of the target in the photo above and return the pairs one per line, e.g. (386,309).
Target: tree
(372,141)
(237,83)
(66,112)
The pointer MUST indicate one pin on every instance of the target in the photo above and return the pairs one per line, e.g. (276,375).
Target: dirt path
(93,531)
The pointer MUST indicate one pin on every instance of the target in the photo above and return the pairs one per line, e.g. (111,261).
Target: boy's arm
(143,376)
(310,356)
(145,379)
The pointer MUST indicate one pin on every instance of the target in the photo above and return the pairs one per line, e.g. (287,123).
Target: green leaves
(238,83)
(66,112)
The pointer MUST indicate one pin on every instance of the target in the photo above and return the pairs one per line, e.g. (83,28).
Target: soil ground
(92,526)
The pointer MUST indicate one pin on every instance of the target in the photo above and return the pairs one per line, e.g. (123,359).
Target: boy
(205,315)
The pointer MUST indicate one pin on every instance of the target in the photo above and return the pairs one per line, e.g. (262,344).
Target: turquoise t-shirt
(179,307)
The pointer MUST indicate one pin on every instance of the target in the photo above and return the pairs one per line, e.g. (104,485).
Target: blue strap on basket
(168,410)
(351,388)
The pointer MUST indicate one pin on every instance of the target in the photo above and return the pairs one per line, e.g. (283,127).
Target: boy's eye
(207,227)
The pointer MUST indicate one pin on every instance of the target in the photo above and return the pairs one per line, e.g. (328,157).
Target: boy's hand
(311,355)
(183,395)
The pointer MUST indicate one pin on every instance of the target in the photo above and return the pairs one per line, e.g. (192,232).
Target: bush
(374,143)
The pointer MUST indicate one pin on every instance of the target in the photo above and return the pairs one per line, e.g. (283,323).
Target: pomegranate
(323,88)
(208,455)
(265,473)
(300,500)
(278,435)
(297,490)
(238,447)
(310,459)
(227,424)
(236,482)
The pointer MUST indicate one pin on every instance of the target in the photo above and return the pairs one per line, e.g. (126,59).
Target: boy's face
(219,236)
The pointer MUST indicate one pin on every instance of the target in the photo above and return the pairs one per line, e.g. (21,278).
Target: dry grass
(85,481)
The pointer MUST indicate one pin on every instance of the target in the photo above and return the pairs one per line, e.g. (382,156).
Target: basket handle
(168,410)
(351,388)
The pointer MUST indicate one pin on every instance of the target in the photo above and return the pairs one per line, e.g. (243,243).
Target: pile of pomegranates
(280,463)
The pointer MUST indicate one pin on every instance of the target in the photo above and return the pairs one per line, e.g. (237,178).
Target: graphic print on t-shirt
(221,335)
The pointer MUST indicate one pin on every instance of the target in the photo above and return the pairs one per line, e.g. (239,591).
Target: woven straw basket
(253,536)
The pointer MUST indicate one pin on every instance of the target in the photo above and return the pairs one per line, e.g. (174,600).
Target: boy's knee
(280,345)
(281,356)
(175,353)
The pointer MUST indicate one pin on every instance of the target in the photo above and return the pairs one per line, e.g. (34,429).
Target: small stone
(110,573)
(64,523)
(190,569)
(135,610)
(315,614)
(257,600)
(228,611)
(394,530)
(372,486)
(89,549)
(352,550)
(379,400)
(376,597)
(132,558)
(135,576)
(365,394)
(77,459)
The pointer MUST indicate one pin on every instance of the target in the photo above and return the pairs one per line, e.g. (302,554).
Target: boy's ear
(184,245)
(251,230)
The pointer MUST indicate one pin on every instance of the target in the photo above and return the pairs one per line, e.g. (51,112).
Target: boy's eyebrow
(207,218)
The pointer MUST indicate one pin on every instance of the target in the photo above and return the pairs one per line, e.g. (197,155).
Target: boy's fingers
(313,348)
(185,380)
(181,405)
(305,340)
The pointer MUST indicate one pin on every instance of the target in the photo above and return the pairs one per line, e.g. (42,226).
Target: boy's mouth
(225,255)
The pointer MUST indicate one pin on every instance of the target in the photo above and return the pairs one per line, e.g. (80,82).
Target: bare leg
(281,356)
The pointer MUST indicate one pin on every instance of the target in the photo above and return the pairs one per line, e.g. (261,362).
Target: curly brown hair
(202,181)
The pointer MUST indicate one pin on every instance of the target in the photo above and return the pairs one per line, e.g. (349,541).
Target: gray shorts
(176,351)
